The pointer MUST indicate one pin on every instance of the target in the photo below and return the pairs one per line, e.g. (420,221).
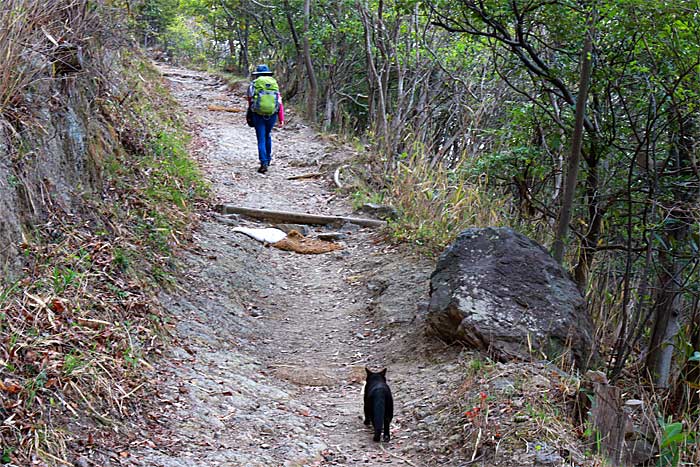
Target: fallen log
(296,217)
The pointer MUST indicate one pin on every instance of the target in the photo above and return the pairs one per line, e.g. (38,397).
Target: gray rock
(503,384)
(380,210)
(543,454)
(342,254)
(494,289)
(640,444)
(640,451)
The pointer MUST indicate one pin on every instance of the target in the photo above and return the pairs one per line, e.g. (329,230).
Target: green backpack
(266,96)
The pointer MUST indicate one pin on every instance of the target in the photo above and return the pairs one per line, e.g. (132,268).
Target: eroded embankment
(95,190)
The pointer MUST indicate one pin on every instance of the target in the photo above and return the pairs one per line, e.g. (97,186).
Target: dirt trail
(271,345)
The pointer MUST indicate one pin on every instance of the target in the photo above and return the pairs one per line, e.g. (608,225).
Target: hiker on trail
(264,109)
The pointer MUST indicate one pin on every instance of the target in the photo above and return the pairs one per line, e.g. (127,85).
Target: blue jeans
(263,131)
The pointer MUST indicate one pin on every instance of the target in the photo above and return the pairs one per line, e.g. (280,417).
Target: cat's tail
(378,408)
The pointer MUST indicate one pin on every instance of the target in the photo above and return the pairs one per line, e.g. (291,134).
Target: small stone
(640,451)
(331,236)
(265,446)
(341,255)
(548,458)
(540,381)
(349,227)
(81,462)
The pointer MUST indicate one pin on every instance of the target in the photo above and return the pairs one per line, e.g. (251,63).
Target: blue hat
(262,70)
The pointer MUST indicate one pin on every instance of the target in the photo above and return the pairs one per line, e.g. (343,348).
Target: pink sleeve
(280,114)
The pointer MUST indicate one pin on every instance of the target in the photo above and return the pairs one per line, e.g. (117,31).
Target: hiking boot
(262,169)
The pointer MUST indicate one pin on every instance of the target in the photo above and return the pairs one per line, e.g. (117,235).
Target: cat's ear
(369,372)
(383,372)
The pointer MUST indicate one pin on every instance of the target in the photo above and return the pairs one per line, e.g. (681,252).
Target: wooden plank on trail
(296,217)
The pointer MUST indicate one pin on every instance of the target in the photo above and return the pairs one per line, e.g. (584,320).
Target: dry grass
(510,411)
(435,203)
(76,330)
(36,38)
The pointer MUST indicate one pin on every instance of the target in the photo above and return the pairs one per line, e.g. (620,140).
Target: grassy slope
(79,326)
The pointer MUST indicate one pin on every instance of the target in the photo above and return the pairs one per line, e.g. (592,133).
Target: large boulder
(496,290)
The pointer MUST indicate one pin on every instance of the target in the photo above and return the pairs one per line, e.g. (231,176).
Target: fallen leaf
(12,388)
(58,306)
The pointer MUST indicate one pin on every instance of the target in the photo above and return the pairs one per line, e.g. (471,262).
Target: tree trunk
(330,105)
(575,156)
(667,312)
(231,41)
(328,112)
(312,98)
(669,299)
(292,90)
(374,79)
(589,241)
(609,422)
(244,60)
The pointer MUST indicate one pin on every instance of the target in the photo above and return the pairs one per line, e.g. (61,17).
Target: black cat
(379,405)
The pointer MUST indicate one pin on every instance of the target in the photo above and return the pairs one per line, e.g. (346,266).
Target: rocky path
(271,345)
